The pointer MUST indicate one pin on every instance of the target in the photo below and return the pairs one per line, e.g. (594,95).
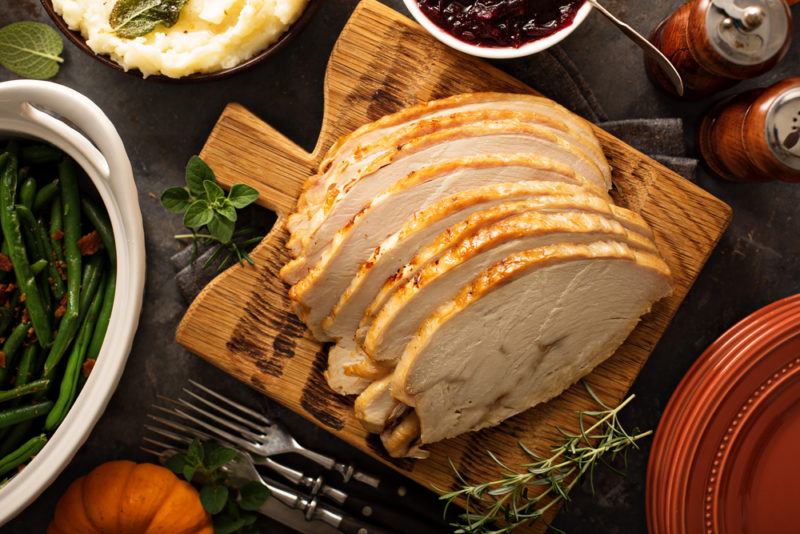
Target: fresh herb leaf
(227,524)
(227,210)
(242,195)
(31,49)
(213,498)
(252,496)
(198,214)
(176,199)
(195,454)
(218,457)
(221,228)
(176,463)
(197,172)
(214,193)
(135,18)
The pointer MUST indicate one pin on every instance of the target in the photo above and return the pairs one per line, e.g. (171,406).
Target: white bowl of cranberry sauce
(499,29)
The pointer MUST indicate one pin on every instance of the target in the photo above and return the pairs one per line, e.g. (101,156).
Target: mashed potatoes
(210,35)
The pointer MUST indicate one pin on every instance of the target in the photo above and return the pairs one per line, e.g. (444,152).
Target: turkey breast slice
(380,288)
(440,279)
(376,406)
(493,202)
(458,103)
(424,187)
(339,358)
(522,332)
(369,133)
(346,199)
(360,158)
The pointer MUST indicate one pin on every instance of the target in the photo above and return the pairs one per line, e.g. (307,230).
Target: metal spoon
(648,47)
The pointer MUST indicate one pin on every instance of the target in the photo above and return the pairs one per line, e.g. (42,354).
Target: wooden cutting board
(242,322)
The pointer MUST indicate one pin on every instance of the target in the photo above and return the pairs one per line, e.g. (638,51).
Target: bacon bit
(25,316)
(2,360)
(90,243)
(62,307)
(58,235)
(23,297)
(9,288)
(5,263)
(62,269)
(87,367)
(31,333)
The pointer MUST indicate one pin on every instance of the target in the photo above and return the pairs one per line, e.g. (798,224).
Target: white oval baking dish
(72,122)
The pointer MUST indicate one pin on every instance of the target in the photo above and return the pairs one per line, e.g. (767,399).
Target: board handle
(269,161)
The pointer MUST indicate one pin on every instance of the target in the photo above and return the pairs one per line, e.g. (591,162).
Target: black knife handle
(352,525)
(382,514)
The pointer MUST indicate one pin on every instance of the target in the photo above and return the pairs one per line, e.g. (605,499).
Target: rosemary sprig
(521,498)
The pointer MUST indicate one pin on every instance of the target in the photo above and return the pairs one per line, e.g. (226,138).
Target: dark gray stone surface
(162,124)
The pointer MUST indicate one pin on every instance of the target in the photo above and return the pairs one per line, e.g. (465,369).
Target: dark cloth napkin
(556,77)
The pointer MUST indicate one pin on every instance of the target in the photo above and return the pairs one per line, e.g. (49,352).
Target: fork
(261,435)
(383,513)
(241,470)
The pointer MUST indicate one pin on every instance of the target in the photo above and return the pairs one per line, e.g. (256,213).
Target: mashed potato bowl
(211,39)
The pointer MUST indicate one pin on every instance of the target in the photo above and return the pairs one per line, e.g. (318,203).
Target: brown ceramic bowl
(288,35)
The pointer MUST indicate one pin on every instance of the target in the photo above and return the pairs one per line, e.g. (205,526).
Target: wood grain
(242,321)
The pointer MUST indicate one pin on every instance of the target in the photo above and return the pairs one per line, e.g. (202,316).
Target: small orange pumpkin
(123,497)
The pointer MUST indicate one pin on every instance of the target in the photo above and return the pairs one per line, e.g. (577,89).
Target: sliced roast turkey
(522,332)
(441,277)
(344,200)
(362,156)
(425,186)
(371,133)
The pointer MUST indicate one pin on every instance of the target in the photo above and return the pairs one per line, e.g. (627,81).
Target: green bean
(14,435)
(27,364)
(7,315)
(92,279)
(72,229)
(69,383)
(19,257)
(45,249)
(39,266)
(11,348)
(27,191)
(40,154)
(24,389)
(101,223)
(24,453)
(13,416)
(45,195)
(56,227)
(104,318)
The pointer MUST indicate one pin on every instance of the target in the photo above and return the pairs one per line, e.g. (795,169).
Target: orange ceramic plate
(724,458)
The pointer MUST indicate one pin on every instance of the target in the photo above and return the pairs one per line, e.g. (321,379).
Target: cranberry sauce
(500,23)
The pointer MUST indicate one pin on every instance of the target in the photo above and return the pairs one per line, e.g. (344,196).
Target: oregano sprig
(211,214)
(521,498)
(232,508)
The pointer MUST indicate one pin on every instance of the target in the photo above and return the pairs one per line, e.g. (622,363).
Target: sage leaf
(135,18)
(31,49)
(213,498)
(221,228)
(197,172)
(176,463)
(242,196)
(252,496)
(198,213)
(176,199)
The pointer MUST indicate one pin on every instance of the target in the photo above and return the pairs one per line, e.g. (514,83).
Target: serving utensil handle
(383,514)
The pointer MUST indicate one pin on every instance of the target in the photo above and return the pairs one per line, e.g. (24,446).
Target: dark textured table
(162,124)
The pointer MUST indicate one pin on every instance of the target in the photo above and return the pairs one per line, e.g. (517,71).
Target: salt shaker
(716,43)
(755,136)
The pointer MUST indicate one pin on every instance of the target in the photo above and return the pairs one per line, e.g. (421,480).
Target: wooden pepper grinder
(756,135)
(716,43)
